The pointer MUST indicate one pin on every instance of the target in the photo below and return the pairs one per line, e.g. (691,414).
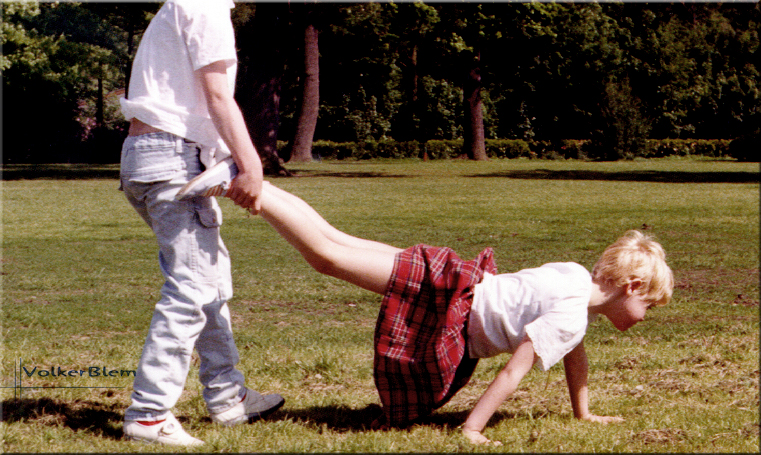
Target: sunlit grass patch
(80,278)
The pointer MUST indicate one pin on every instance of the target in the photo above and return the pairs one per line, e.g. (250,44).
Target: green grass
(80,278)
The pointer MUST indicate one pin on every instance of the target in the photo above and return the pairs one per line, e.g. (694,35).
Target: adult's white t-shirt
(165,92)
(547,303)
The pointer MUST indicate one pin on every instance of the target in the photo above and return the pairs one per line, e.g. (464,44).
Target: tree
(474,138)
(726,49)
(57,61)
(410,27)
(259,76)
(463,30)
(624,130)
(128,18)
(358,72)
(310,103)
(544,72)
(486,49)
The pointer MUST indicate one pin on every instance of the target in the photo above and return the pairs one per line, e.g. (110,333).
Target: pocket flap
(210,217)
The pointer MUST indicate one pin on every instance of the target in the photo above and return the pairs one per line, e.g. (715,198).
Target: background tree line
(611,75)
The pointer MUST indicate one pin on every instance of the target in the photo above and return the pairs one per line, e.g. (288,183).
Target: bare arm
(576,374)
(503,386)
(228,119)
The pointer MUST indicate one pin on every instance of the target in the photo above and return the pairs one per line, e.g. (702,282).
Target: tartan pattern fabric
(421,356)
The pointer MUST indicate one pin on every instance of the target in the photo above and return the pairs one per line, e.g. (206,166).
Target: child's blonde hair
(637,256)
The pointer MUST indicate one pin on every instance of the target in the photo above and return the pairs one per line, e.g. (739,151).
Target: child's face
(630,310)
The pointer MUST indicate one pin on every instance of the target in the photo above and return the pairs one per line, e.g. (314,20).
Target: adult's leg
(329,251)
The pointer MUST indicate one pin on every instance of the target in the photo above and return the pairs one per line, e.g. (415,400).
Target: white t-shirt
(164,90)
(547,303)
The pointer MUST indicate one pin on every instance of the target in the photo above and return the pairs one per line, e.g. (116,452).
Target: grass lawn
(80,278)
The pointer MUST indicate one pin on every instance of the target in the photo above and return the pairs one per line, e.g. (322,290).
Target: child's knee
(323,264)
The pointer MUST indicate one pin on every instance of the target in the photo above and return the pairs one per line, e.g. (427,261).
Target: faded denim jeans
(192,311)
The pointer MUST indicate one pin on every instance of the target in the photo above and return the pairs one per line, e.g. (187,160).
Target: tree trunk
(258,88)
(310,103)
(473,144)
(407,126)
(99,110)
(413,96)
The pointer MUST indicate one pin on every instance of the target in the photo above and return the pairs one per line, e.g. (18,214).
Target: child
(440,313)
(180,106)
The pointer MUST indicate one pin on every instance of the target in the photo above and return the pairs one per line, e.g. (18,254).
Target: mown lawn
(80,278)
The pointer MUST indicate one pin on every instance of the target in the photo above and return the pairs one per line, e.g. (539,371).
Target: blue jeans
(192,311)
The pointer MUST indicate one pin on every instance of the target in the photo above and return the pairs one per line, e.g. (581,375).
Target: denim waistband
(163,135)
(158,156)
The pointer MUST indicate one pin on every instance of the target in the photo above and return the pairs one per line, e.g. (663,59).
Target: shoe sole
(149,441)
(261,415)
(250,418)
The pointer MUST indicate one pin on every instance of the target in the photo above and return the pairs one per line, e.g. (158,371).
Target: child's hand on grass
(602,419)
(379,424)
(476,437)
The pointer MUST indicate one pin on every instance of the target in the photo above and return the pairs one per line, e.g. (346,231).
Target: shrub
(658,148)
(745,149)
(443,149)
(573,149)
(507,148)
(622,128)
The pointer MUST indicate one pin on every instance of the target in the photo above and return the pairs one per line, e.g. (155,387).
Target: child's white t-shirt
(164,91)
(547,303)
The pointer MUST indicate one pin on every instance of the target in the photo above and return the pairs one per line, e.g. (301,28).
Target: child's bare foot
(476,437)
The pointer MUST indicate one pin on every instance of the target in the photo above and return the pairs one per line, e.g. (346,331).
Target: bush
(573,149)
(745,149)
(507,148)
(621,129)
(443,149)
(658,148)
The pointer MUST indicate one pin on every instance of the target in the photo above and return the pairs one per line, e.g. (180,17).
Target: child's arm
(246,187)
(505,384)
(576,373)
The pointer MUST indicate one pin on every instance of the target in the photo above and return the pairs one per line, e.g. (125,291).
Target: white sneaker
(253,407)
(169,432)
(214,181)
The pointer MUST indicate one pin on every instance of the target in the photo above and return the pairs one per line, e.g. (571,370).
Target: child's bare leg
(327,229)
(369,268)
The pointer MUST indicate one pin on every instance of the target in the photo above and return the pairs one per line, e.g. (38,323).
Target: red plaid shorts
(421,356)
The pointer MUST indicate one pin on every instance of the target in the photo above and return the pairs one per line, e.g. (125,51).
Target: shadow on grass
(344,419)
(336,418)
(349,174)
(105,420)
(60,171)
(97,418)
(633,176)
(111,171)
